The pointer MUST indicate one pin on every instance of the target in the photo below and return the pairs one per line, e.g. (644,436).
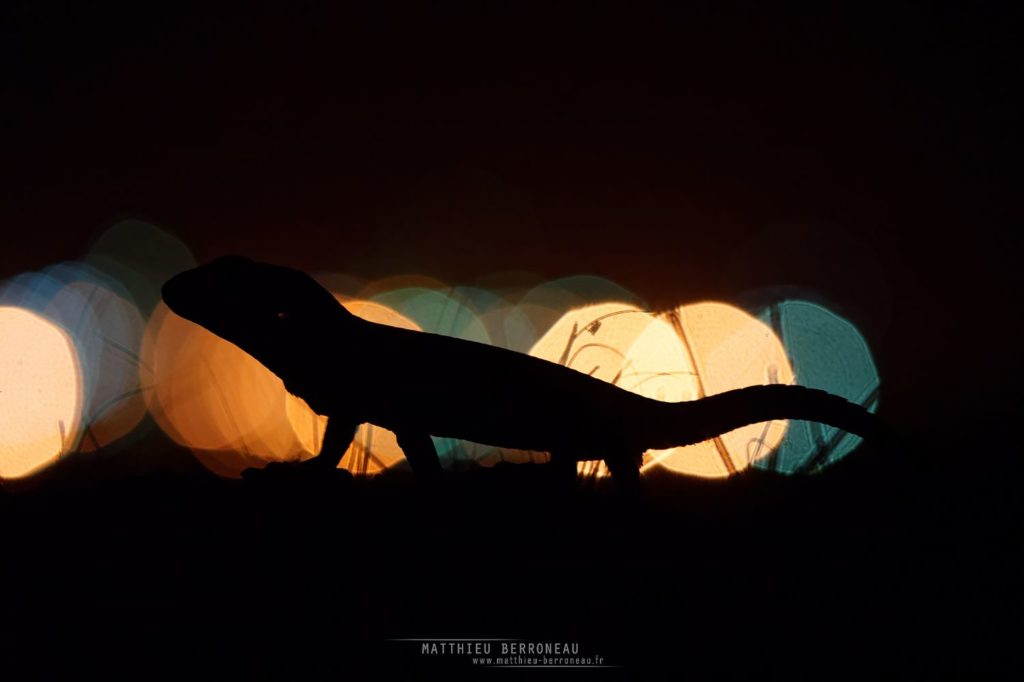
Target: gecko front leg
(337,437)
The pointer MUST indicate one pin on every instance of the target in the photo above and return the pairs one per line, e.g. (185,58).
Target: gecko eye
(282,315)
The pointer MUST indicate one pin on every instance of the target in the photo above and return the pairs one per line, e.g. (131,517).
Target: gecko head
(272,312)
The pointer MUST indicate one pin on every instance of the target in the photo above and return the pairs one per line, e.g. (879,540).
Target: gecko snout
(172,292)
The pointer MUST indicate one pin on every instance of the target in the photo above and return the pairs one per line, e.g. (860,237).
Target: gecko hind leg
(337,438)
(563,467)
(624,466)
(422,455)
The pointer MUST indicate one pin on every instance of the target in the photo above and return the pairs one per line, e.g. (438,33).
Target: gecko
(418,384)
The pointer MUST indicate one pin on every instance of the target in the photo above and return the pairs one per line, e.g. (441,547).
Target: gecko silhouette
(420,385)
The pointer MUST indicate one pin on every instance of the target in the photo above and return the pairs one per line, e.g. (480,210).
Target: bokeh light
(595,339)
(41,392)
(726,349)
(383,285)
(213,397)
(141,257)
(435,312)
(126,354)
(828,353)
(545,304)
(107,330)
(696,350)
(68,310)
(509,325)
(345,287)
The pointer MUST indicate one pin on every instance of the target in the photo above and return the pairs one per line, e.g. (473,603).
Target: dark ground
(906,566)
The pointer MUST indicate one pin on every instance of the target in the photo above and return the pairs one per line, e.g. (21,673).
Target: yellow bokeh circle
(41,393)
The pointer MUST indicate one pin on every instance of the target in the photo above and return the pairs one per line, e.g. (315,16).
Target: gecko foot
(307,471)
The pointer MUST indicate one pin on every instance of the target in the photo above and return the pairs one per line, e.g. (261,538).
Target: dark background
(684,150)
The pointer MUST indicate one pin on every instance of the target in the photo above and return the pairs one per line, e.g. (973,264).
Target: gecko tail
(699,420)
